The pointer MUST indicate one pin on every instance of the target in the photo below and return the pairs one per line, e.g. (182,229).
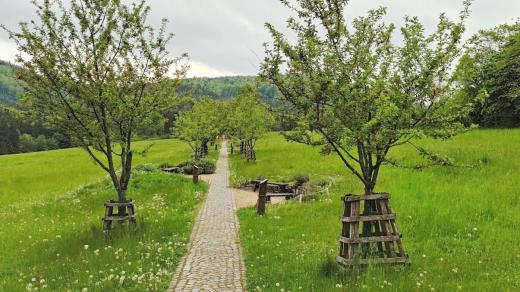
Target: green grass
(51,235)
(30,177)
(460,224)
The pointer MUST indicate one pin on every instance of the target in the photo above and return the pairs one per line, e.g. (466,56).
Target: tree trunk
(126,174)
(369,209)
(205,149)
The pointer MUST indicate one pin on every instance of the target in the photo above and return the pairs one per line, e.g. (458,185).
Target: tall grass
(51,236)
(460,224)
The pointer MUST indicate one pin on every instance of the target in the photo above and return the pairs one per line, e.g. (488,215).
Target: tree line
(242,120)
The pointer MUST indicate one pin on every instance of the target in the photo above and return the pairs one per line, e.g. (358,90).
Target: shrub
(145,168)
(207,167)
(300,179)
(166,165)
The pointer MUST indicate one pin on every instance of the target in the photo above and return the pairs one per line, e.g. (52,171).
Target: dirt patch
(248,198)
(203,177)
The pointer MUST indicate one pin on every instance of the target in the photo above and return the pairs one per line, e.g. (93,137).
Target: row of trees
(19,133)
(488,75)
(243,120)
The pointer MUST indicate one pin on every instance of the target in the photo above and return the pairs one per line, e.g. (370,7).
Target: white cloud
(198,69)
(8,50)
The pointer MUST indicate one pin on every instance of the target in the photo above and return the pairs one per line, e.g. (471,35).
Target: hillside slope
(216,88)
(10,91)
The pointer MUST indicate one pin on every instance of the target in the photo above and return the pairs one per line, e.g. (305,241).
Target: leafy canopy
(486,76)
(201,125)
(94,69)
(363,92)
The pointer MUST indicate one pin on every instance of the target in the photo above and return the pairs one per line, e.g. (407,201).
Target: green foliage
(145,168)
(205,166)
(152,125)
(222,88)
(9,136)
(361,91)
(459,225)
(93,70)
(200,126)
(10,89)
(487,74)
(300,179)
(247,119)
(30,144)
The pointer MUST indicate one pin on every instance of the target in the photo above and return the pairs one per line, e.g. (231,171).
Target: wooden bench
(171,169)
(275,187)
(264,197)
(287,196)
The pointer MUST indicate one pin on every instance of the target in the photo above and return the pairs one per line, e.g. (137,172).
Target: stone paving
(214,260)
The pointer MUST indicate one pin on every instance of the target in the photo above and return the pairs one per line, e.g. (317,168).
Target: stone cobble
(214,260)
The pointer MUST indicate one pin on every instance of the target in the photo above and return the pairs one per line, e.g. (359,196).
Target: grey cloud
(227,35)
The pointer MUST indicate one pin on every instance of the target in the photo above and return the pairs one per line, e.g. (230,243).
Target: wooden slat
(354,230)
(355,262)
(352,198)
(280,195)
(118,218)
(387,228)
(364,218)
(370,239)
(117,204)
(171,169)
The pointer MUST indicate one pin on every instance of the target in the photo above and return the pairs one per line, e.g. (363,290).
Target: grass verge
(460,224)
(59,244)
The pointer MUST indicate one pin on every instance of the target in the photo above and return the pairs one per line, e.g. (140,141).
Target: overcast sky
(224,37)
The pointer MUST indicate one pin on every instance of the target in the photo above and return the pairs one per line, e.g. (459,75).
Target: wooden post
(262,192)
(196,171)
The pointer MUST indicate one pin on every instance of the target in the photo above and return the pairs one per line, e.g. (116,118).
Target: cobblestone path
(214,260)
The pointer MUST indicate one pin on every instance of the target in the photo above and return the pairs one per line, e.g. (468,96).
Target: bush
(145,168)
(207,167)
(166,165)
(300,179)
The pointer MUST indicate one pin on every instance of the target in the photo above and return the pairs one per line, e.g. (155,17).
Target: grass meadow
(51,234)
(460,225)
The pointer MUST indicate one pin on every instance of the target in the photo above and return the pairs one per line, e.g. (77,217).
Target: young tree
(362,92)
(200,126)
(247,120)
(94,69)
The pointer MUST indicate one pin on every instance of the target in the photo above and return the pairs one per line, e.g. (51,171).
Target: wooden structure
(370,237)
(262,197)
(171,169)
(125,212)
(273,187)
(196,172)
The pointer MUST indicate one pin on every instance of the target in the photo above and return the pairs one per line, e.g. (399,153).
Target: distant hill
(216,88)
(10,91)
(227,87)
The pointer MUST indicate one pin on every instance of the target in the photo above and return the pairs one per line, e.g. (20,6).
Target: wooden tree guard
(378,242)
(125,212)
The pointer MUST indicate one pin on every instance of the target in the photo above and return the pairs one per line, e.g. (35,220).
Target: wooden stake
(262,197)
